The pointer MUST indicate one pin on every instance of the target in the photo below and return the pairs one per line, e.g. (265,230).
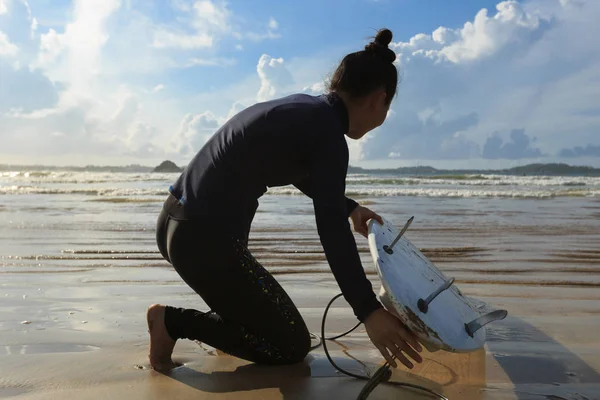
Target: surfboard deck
(407,276)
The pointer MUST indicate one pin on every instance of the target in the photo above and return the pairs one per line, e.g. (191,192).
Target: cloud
(257,37)
(578,151)
(528,64)
(123,133)
(169,39)
(92,84)
(273,23)
(7,49)
(204,19)
(81,86)
(82,43)
(62,104)
(253,36)
(485,36)
(66,131)
(34,26)
(194,131)
(274,77)
(271,33)
(80,129)
(24,90)
(215,62)
(74,95)
(428,133)
(201,24)
(3,7)
(51,45)
(510,27)
(460,84)
(196,128)
(210,14)
(518,147)
(235,109)
(315,89)
(26,5)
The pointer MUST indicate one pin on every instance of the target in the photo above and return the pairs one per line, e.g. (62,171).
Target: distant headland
(167,166)
(552,169)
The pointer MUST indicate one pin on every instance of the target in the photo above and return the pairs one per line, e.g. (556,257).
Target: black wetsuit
(299,140)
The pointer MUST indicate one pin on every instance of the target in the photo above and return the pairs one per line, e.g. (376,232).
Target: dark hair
(364,71)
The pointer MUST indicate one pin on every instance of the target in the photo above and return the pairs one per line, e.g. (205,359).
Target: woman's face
(369,114)
(381,112)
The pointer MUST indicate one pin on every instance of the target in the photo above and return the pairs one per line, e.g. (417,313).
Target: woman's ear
(378,100)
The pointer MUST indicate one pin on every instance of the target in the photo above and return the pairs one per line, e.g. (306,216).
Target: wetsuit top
(299,140)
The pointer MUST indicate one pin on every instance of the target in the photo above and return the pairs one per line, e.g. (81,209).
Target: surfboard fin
(424,304)
(388,249)
(485,319)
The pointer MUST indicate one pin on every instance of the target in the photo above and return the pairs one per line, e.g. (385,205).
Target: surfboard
(423,297)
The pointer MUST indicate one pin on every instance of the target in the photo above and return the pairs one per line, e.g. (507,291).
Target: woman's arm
(306,187)
(326,186)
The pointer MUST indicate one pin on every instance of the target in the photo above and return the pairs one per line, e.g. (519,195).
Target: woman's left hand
(360,216)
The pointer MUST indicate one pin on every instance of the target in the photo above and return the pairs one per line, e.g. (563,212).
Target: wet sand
(82,334)
(75,283)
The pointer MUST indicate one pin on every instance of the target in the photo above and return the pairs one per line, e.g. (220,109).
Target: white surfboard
(420,295)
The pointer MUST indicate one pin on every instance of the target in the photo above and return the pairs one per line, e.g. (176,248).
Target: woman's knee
(299,354)
(161,234)
(299,349)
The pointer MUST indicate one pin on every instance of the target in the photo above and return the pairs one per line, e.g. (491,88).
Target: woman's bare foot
(161,344)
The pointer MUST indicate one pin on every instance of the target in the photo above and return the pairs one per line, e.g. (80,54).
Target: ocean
(482,228)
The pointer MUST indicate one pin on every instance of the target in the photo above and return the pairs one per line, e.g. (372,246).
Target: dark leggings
(251,316)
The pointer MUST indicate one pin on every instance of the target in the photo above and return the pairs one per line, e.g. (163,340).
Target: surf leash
(382,375)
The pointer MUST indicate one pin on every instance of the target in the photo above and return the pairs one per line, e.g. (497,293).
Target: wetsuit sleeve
(305,186)
(327,188)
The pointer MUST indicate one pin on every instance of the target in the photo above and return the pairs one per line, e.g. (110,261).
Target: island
(167,166)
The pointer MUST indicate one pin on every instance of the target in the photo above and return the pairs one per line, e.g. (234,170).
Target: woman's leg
(251,316)
(161,344)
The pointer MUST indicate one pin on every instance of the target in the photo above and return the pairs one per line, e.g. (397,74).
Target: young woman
(204,225)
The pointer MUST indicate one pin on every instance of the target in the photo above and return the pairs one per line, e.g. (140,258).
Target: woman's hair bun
(379,45)
(384,37)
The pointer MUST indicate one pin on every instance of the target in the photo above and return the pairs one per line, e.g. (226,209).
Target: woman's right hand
(389,335)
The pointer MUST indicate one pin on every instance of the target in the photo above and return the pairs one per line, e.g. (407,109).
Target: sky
(485,84)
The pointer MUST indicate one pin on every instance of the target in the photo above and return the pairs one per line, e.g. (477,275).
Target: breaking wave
(141,194)
(474,180)
(140,187)
(71,177)
(454,193)
(83,191)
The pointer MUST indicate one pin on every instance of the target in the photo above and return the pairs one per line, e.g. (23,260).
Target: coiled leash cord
(382,375)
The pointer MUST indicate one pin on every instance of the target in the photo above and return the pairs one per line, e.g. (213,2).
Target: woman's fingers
(409,337)
(397,352)
(362,229)
(386,355)
(404,361)
(410,351)
(378,218)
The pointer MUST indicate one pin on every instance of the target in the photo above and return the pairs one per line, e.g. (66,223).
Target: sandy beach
(78,272)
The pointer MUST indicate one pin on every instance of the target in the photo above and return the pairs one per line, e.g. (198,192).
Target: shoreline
(92,343)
